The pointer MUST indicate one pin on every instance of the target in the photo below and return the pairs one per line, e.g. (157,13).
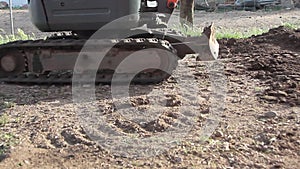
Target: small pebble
(219,133)
(270,114)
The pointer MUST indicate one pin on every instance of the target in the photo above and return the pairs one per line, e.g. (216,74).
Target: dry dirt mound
(273,58)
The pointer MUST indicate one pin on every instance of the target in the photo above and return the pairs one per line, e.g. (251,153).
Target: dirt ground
(258,129)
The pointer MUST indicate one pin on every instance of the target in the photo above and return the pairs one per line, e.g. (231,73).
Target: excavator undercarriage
(52,60)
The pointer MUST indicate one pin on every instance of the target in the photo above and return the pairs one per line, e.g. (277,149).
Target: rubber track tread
(76,45)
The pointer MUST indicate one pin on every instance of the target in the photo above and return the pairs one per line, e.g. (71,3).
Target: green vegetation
(221,33)
(291,25)
(187,30)
(19,7)
(3,120)
(19,35)
(6,105)
(231,33)
(6,141)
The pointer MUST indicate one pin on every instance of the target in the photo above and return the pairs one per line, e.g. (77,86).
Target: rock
(282,99)
(258,166)
(26,162)
(269,98)
(140,101)
(226,146)
(219,133)
(296,110)
(3,156)
(172,101)
(205,111)
(176,159)
(290,117)
(282,93)
(263,138)
(272,140)
(3,5)
(276,166)
(270,114)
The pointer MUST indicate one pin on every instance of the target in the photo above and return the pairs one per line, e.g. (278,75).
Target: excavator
(52,60)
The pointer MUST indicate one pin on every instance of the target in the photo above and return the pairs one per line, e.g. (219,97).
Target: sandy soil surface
(259,127)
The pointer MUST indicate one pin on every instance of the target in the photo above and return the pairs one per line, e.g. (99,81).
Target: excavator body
(89,16)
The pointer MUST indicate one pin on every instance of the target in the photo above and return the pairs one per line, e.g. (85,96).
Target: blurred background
(208,5)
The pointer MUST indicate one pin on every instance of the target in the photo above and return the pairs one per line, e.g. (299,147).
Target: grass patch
(291,25)
(231,33)
(187,30)
(220,33)
(3,120)
(6,101)
(19,35)
(15,8)
(7,105)
(6,141)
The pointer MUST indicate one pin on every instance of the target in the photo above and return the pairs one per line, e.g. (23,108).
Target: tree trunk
(187,12)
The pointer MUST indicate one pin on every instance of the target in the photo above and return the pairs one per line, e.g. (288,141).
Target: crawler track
(30,70)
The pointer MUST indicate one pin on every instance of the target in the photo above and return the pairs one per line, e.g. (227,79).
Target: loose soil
(258,129)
